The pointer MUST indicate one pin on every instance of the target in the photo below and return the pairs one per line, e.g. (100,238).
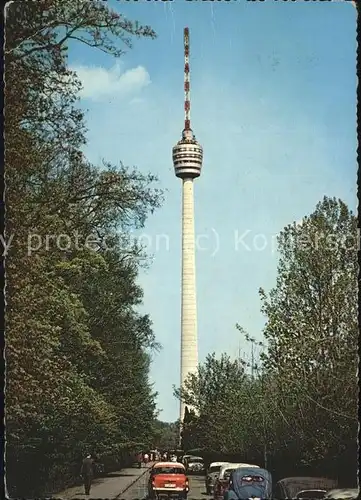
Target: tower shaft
(189,344)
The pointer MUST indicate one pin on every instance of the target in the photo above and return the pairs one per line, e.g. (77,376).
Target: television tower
(187,161)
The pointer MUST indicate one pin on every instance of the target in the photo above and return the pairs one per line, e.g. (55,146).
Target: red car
(168,479)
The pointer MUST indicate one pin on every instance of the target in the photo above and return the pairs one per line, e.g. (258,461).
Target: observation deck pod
(187,156)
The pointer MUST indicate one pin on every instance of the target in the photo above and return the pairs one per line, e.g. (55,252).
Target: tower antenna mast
(187,100)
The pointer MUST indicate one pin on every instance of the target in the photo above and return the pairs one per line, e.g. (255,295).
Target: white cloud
(99,83)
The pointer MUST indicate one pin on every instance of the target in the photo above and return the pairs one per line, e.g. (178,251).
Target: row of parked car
(229,481)
(238,481)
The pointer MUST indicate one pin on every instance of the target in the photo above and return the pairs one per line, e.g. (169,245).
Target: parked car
(222,481)
(343,494)
(303,487)
(195,465)
(211,475)
(185,459)
(168,479)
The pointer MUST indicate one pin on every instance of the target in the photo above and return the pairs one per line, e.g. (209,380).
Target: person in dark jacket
(87,473)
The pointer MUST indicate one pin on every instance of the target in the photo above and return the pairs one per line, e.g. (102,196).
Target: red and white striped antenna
(187,101)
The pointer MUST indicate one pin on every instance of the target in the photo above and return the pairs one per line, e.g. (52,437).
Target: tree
(166,435)
(216,392)
(77,349)
(312,323)
(189,430)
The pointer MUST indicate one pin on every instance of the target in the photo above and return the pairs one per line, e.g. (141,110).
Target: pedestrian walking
(87,473)
(146,458)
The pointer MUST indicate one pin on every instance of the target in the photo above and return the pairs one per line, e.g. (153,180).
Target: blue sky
(273,89)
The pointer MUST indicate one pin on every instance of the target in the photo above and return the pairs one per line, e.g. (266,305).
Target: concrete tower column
(189,347)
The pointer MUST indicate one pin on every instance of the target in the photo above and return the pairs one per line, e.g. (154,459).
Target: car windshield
(215,468)
(168,470)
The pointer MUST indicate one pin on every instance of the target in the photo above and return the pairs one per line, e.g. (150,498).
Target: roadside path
(111,486)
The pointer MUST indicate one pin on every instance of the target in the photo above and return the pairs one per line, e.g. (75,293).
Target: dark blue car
(249,482)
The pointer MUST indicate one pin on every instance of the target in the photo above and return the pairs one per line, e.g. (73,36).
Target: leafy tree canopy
(78,350)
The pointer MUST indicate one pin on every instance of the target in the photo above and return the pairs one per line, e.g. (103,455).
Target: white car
(195,465)
(185,458)
(212,474)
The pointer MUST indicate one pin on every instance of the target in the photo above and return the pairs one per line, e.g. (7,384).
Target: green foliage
(312,328)
(188,430)
(166,435)
(77,349)
(300,408)
(212,392)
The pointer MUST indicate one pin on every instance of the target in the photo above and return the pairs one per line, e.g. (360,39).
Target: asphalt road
(139,491)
